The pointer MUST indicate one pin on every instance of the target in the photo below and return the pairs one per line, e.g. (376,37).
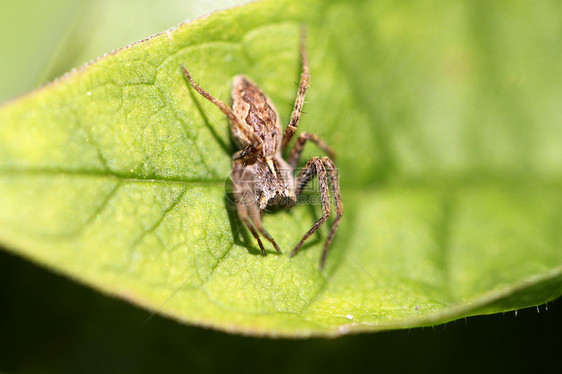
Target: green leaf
(446,120)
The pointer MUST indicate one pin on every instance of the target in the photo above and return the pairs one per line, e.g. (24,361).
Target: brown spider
(260,175)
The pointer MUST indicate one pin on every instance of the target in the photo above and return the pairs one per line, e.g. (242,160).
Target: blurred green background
(42,39)
(49,324)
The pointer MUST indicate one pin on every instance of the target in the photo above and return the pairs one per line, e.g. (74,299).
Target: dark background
(49,324)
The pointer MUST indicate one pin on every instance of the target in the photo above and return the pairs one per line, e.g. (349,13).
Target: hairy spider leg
(244,128)
(246,204)
(296,151)
(314,167)
(336,196)
(325,169)
(299,101)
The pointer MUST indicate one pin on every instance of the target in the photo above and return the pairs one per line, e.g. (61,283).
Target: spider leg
(245,129)
(255,215)
(296,151)
(246,204)
(299,101)
(243,214)
(243,197)
(312,168)
(335,185)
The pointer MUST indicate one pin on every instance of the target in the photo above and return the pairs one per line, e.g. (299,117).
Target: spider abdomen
(253,107)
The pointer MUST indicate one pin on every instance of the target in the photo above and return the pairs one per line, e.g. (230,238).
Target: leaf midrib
(110,175)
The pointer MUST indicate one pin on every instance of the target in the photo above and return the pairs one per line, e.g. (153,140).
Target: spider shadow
(240,234)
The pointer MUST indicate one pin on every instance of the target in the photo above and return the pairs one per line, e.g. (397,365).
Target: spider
(261,176)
